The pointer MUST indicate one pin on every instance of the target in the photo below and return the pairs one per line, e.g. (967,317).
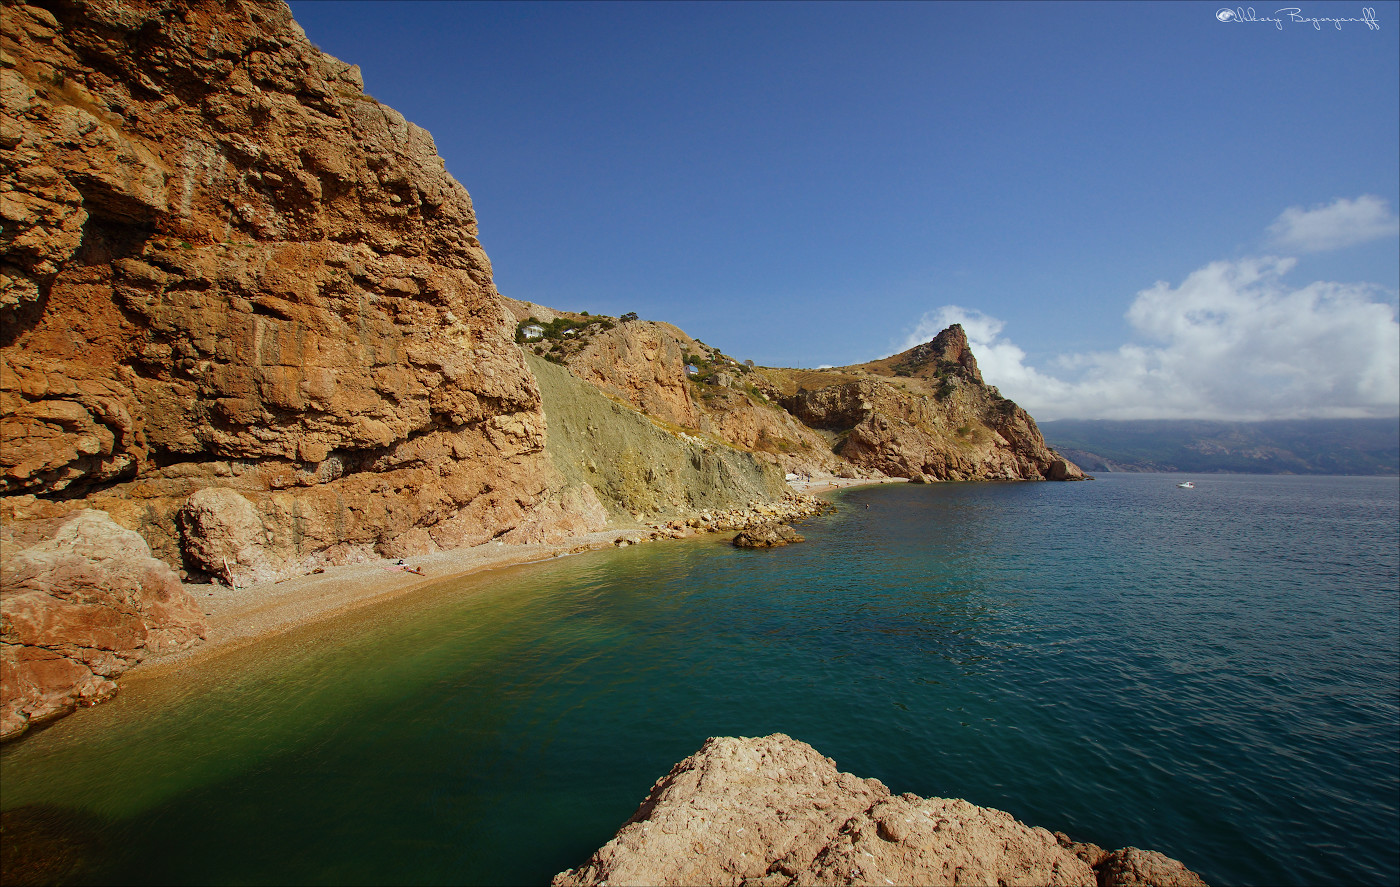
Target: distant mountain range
(1304,446)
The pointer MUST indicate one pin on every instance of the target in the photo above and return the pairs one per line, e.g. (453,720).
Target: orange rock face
(82,600)
(224,266)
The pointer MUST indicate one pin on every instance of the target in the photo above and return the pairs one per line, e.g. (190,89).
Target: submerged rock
(773,810)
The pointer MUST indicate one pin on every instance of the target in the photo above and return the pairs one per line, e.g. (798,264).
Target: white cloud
(1233,341)
(1341,223)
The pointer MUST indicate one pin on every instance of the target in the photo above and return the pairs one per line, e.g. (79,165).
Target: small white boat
(1187,485)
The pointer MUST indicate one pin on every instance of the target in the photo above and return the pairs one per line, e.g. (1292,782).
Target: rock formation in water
(774,811)
(84,601)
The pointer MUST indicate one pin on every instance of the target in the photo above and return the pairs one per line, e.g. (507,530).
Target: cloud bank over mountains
(1234,340)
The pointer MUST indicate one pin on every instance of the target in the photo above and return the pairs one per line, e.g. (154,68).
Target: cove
(1213,676)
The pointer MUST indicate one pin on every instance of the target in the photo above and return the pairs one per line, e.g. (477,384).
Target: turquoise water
(1214,673)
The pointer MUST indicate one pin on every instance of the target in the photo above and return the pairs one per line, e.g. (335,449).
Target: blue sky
(1136,209)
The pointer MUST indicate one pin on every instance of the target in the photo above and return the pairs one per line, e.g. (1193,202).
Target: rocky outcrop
(948,351)
(969,435)
(772,810)
(1131,867)
(927,415)
(226,268)
(223,536)
(753,418)
(82,601)
(642,363)
(772,535)
(245,313)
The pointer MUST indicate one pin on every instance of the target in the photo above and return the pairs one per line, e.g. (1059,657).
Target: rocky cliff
(245,314)
(226,267)
(926,414)
(681,383)
(636,470)
(774,811)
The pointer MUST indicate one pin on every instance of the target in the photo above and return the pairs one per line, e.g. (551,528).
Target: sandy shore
(823,484)
(240,616)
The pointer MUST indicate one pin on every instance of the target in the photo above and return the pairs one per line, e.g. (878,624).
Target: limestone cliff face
(224,266)
(774,811)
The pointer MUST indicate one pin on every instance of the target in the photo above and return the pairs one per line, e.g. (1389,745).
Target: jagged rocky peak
(926,414)
(949,348)
(947,353)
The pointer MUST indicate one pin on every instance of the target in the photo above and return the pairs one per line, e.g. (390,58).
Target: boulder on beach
(82,601)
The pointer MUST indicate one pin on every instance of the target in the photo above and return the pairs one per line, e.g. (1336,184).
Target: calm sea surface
(1213,673)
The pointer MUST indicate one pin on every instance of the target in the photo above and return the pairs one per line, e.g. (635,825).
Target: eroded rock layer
(772,810)
(227,268)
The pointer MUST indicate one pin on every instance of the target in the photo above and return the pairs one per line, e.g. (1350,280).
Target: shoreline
(827,484)
(239,617)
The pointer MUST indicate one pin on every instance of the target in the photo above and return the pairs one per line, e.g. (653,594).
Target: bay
(1213,673)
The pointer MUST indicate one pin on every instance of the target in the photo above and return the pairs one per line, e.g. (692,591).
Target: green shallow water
(1211,673)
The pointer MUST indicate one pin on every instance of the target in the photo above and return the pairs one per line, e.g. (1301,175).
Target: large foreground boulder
(82,601)
(773,810)
(771,535)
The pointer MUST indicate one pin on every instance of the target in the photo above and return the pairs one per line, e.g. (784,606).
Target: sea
(1213,673)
